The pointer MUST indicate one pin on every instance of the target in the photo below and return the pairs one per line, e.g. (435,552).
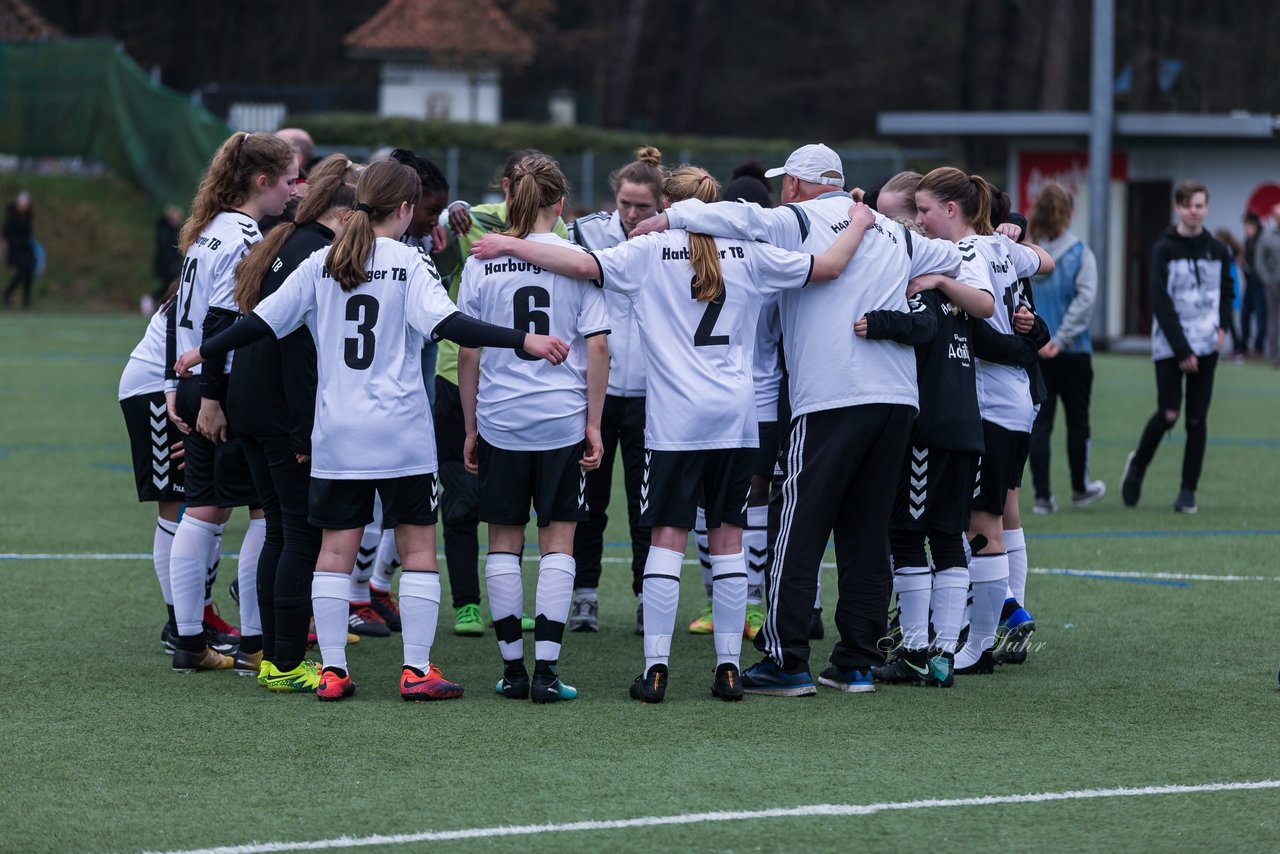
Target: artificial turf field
(1154,670)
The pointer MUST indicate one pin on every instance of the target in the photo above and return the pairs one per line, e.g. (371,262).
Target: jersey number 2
(702,337)
(528,314)
(362,310)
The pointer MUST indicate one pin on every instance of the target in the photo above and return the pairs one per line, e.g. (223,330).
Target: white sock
(419,613)
(366,555)
(247,577)
(661,595)
(947,604)
(384,570)
(1015,545)
(728,605)
(161,546)
(329,604)
(213,561)
(817,599)
(551,604)
(704,549)
(989,579)
(506,601)
(755,545)
(913,584)
(188,563)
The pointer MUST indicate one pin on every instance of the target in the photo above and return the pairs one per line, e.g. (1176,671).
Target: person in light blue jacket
(1064,300)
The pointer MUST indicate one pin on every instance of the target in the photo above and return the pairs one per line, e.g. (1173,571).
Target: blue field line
(1129,535)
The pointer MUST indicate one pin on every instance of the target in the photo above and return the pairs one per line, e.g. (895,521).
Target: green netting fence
(87,98)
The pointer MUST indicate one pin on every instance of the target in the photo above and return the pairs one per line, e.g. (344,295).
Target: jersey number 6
(362,310)
(528,314)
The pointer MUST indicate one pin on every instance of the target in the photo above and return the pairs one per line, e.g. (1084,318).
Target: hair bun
(649,154)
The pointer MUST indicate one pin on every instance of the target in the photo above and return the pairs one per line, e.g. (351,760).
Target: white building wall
(1230,172)
(417,91)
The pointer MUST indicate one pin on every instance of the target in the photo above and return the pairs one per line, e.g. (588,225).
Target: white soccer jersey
(526,403)
(626,361)
(828,366)
(995,263)
(372,418)
(766,371)
(144,372)
(208,276)
(699,356)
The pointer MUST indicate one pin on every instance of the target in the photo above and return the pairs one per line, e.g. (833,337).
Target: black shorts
(765,457)
(337,505)
(936,491)
(215,475)
(1000,468)
(551,480)
(676,482)
(151,435)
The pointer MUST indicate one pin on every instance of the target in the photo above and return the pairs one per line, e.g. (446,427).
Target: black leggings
(1169,380)
(23,275)
(1068,376)
(621,424)
(289,554)
(460,498)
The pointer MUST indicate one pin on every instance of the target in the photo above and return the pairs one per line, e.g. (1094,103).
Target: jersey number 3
(362,310)
(529,315)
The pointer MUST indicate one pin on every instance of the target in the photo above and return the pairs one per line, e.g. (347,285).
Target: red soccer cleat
(416,686)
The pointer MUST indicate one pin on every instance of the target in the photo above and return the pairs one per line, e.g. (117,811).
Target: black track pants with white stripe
(840,474)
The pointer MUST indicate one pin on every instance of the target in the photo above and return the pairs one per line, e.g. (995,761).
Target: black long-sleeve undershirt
(459,328)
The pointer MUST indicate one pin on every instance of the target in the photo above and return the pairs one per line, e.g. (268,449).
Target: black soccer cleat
(985,665)
(909,667)
(728,683)
(651,686)
(514,684)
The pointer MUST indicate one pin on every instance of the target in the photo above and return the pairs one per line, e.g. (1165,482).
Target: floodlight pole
(1101,121)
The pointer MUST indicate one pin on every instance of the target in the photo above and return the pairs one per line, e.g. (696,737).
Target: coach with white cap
(852,400)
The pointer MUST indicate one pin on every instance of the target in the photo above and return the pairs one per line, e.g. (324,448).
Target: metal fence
(473,173)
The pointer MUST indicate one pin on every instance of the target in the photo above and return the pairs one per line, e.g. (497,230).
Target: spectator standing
(1253,313)
(1266,262)
(1191,299)
(1064,300)
(21,250)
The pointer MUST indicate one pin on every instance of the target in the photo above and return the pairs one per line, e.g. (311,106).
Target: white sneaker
(1045,505)
(1093,490)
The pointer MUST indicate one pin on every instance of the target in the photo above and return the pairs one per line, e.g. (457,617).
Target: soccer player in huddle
(271,405)
(369,301)
(637,189)
(959,207)
(936,485)
(251,176)
(545,459)
(698,340)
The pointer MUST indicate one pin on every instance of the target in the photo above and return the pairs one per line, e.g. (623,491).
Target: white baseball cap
(816,164)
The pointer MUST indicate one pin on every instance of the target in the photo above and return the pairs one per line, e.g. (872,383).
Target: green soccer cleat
(753,623)
(303,679)
(703,624)
(467,621)
(265,672)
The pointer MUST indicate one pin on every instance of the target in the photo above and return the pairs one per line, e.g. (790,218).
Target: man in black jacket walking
(1191,295)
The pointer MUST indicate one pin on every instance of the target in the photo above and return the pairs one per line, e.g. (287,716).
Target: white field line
(708,817)
(1079,573)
